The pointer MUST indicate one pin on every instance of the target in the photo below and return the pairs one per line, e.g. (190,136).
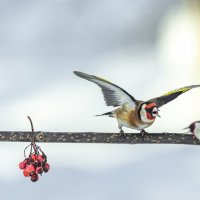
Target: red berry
(30,160)
(34,177)
(22,165)
(46,167)
(26,173)
(40,158)
(34,157)
(37,163)
(25,161)
(30,168)
(39,170)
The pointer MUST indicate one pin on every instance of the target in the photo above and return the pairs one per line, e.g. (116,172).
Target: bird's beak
(158,113)
(186,128)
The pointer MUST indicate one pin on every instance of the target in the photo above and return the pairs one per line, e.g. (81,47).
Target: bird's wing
(113,94)
(169,96)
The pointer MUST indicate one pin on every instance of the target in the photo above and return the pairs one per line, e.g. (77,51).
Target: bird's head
(148,112)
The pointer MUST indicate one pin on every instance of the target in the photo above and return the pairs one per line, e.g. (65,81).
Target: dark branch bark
(90,137)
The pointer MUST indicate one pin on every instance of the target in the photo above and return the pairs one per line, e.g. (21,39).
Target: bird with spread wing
(132,113)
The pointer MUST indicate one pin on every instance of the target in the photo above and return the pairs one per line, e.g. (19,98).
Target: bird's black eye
(154,112)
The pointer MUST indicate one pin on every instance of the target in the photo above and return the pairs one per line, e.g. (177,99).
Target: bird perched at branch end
(132,113)
(194,128)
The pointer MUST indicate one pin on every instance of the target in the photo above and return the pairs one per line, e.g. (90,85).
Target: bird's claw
(122,134)
(143,133)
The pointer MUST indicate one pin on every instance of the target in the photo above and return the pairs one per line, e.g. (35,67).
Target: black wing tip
(194,86)
(189,87)
(82,75)
(77,73)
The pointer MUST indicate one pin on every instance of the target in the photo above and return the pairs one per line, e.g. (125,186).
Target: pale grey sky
(41,43)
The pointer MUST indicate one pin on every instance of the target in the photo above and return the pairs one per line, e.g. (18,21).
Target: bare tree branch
(93,137)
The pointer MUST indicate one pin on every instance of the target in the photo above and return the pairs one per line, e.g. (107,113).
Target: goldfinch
(194,128)
(131,113)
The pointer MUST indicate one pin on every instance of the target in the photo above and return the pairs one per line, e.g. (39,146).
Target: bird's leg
(121,133)
(143,133)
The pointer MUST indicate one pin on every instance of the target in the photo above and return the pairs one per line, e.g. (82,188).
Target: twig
(32,128)
(95,137)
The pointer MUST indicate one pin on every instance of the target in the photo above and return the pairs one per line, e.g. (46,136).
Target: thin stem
(25,150)
(32,128)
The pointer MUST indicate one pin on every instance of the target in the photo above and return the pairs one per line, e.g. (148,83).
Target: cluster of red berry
(34,165)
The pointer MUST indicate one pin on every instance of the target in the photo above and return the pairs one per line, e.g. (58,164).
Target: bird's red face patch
(151,111)
(150,106)
(149,116)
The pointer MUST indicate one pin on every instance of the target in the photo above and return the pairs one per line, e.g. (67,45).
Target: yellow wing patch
(103,79)
(185,89)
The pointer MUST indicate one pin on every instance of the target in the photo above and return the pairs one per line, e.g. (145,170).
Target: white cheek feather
(197,131)
(143,115)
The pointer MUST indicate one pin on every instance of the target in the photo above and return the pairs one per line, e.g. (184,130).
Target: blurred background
(148,47)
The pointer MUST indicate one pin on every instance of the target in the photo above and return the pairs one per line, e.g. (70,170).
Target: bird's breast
(129,117)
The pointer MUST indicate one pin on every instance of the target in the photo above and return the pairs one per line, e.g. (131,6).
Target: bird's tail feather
(110,114)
